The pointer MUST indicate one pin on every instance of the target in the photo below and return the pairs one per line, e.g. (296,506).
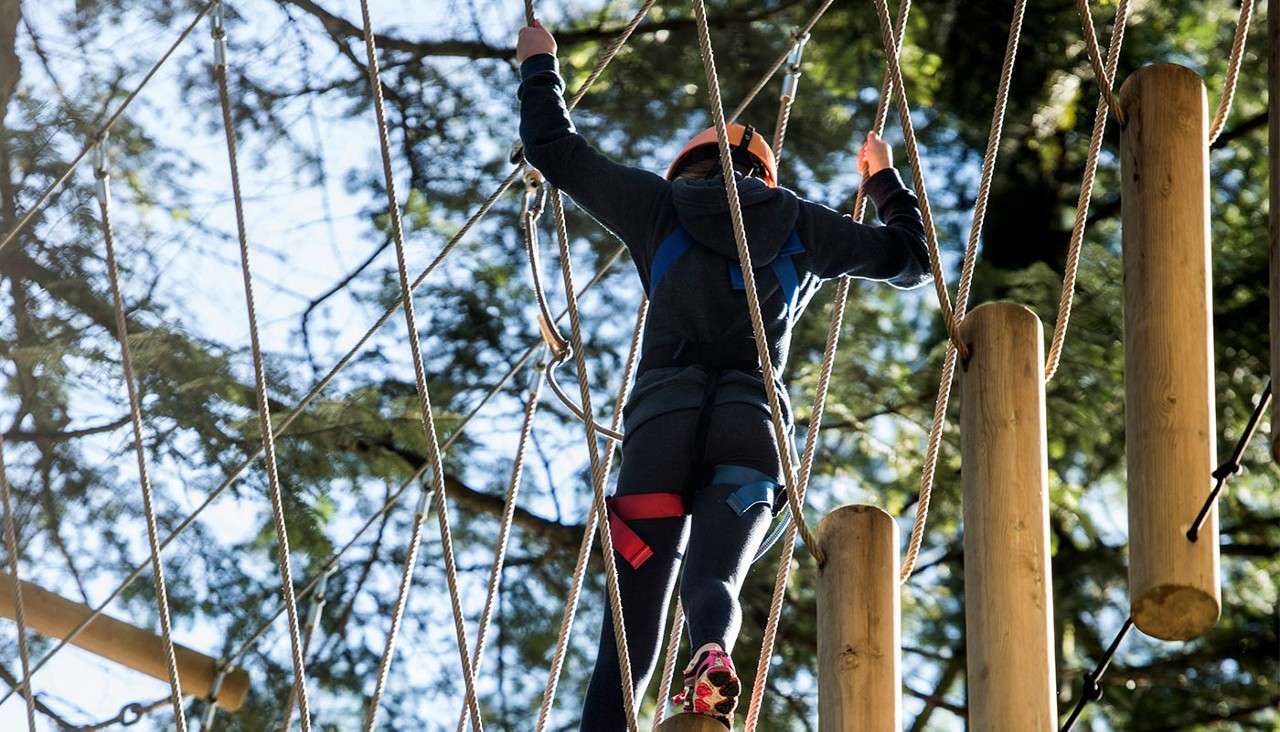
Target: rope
(588,532)
(917,176)
(135,416)
(778,596)
(504,528)
(100,135)
(259,375)
(956,347)
(1105,78)
(313,624)
(428,423)
(1233,70)
(798,38)
(598,468)
(748,274)
(19,614)
(669,667)
(1054,357)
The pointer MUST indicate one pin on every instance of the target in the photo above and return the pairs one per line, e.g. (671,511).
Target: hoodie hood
(702,207)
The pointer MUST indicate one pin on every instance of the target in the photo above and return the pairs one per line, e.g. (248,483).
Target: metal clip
(211,701)
(218,29)
(422,500)
(100,171)
(517,153)
(792,80)
(318,600)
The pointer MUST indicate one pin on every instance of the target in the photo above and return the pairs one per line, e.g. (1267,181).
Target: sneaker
(711,685)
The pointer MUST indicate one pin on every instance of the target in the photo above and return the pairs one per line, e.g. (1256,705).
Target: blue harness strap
(754,487)
(671,249)
(784,269)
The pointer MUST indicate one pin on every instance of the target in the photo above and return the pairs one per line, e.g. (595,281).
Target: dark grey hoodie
(696,300)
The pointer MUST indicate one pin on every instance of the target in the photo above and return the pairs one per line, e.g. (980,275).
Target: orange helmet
(740,137)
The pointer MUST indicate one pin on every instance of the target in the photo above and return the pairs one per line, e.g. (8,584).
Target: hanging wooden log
(1169,401)
(1008,603)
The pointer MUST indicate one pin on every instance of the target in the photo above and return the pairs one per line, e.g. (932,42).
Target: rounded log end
(1176,612)
(854,520)
(691,723)
(1011,320)
(1164,74)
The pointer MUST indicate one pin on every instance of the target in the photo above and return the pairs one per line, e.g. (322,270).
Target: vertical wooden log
(1007,581)
(1273,148)
(1168,354)
(859,626)
(139,649)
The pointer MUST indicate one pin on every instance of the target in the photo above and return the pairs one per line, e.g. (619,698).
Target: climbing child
(700,480)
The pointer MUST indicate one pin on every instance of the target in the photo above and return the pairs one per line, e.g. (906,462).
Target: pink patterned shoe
(711,685)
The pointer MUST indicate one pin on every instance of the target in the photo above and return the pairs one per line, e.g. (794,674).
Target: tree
(302,116)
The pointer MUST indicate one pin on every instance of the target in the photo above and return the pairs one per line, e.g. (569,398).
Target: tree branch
(339,27)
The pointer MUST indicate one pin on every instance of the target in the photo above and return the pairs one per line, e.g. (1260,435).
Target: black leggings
(659,458)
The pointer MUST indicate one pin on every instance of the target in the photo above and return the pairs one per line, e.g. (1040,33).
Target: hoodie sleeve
(895,252)
(621,198)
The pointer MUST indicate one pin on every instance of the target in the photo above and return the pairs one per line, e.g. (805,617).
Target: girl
(700,479)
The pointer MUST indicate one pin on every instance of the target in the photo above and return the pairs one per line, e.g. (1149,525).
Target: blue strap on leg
(754,487)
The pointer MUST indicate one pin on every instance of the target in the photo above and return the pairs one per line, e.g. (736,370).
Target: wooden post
(859,628)
(691,723)
(1007,581)
(1168,351)
(1273,111)
(127,645)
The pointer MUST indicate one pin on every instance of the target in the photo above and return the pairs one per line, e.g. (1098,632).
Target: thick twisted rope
(917,174)
(956,347)
(584,552)
(135,419)
(588,533)
(748,275)
(504,529)
(101,134)
(19,611)
(1233,71)
(669,664)
(1065,300)
(1104,76)
(428,423)
(260,378)
(841,298)
(599,468)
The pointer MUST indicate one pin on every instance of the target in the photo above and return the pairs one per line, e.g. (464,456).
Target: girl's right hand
(875,156)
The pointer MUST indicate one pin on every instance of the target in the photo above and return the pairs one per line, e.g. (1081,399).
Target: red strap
(639,506)
(647,505)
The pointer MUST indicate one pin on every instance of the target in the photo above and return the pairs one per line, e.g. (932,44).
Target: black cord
(1091,691)
(1231,466)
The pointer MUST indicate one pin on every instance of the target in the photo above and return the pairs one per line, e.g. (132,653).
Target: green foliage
(360,442)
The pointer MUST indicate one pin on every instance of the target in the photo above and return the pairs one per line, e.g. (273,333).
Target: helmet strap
(744,145)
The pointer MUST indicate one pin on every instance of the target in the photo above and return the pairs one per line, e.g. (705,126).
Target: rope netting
(796,481)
